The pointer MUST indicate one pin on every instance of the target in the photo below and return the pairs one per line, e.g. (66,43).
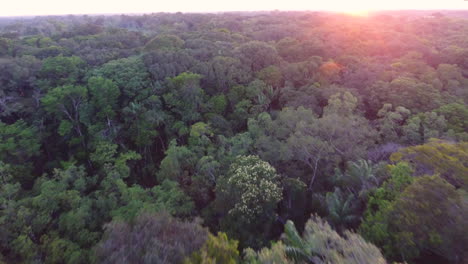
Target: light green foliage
(275,254)
(142,121)
(104,153)
(271,75)
(184,96)
(315,142)
(177,164)
(376,223)
(103,97)
(438,157)
(223,73)
(431,215)
(218,104)
(62,70)
(19,144)
(453,80)
(58,205)
(456,116)
(65,103)
(131,201)
(257,55)
(343,104)
(64,100)
(200,129)
(217,249)
(130,75)
(423,126)
(390,122)
(407,92)
(100,112)
(164,42)
(321,244)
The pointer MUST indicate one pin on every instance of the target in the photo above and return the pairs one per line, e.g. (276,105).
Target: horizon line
(228,11)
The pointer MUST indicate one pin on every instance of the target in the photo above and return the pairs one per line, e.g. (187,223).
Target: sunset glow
(356,7)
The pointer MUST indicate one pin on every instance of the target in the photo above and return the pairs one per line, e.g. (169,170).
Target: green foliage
(62,70)
(151,238)
(321,244)
(130,75)
(245,120)
(342,209)
(19,142)
(163,41)
(376,226)
(431,215)
(275,254)
(104,94)
(360,177)
(217,249)
(250,193)
(456,116)
(19,145)
(184,96)
(438,157)
(177,163)
(253,184)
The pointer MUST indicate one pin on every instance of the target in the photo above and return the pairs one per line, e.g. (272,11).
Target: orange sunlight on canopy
(51,7)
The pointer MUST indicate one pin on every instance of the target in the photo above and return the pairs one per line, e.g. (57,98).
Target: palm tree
(298,249)
(320,244)
(342,209)
(359,177)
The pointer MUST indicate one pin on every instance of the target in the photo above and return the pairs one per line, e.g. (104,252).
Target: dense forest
(264,137)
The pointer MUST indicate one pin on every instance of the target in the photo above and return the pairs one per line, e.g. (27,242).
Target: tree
(438,157)
(423,126)
(430,215)
(164,41)
(130,75)
(456,116)
(271,75)
(223,73)
(332,139)
(321,244)
(60,70)
(275,254)
(375,226)
(184,97)
(151,238)
(101,110)
(19,145)
(342,209)
(251,192)
(390,122)
(257,55)
(359,178)
(64,103)
(217,249)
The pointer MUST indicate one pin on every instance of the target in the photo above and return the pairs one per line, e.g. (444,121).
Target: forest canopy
(262,137)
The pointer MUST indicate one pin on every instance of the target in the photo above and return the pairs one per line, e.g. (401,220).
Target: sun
(361,13)
(357,8)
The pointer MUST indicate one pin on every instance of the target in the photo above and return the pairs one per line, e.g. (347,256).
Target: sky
(60,7)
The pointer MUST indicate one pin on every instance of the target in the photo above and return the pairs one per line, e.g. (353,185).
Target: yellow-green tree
(448,159)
